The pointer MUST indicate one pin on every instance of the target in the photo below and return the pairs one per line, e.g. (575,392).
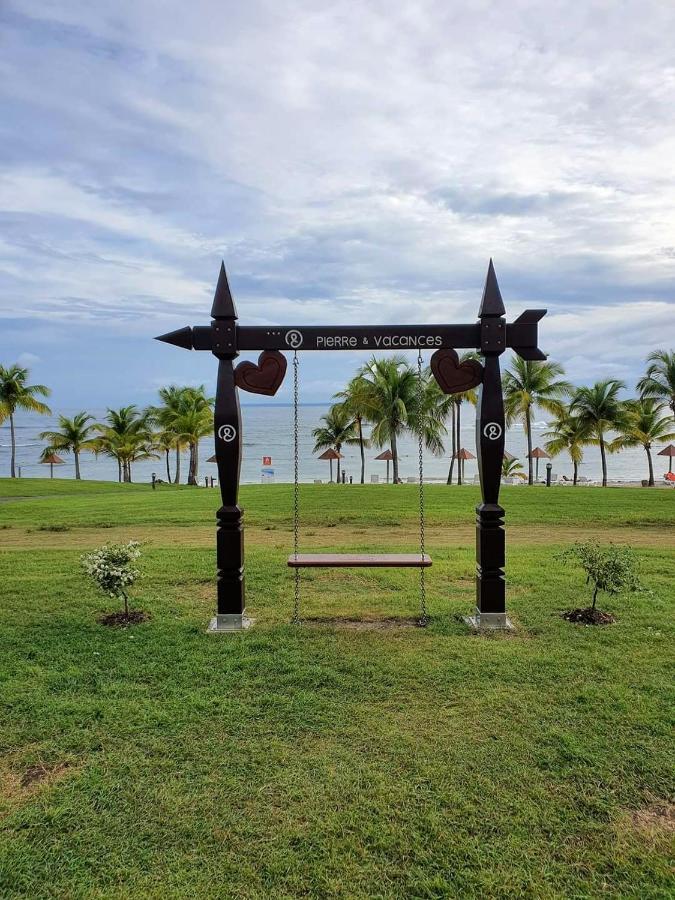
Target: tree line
(182,417)
(385,396)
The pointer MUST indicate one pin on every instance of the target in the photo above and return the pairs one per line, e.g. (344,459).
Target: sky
(351,162)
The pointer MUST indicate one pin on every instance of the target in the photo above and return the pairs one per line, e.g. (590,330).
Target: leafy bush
(611,568)
(110,568)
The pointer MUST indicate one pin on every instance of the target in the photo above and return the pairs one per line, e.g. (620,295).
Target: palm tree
(528,384)
(338,429)
(433,415)
(659,382)
(136,447)
(455,409)
(193,422)
(600,410)
(354,400)
(74,436)
(391,396)
(165,441)
(512,468)
(567,434)
(125,432)
(16,394)
(643,425)
(184,411)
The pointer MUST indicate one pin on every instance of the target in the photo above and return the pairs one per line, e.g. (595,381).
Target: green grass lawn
(353,756)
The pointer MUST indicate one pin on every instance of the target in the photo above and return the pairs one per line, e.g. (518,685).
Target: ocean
(268,432)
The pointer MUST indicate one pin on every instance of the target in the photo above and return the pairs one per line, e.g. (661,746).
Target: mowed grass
(353,756)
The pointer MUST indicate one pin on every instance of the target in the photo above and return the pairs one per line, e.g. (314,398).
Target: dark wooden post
(230,615)
(490,427)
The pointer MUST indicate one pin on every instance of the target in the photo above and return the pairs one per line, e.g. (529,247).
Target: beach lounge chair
(374,479)
(318,481)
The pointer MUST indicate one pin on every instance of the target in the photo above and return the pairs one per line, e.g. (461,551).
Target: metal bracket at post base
(229,622)
(489,622)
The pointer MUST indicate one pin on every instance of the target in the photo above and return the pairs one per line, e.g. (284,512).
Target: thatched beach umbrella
(668,451)
(538,454)
(213,458)
(388,455)
(462,455)
(330,455)
(509,456)
(53,460)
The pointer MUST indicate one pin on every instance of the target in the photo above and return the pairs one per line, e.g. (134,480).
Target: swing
(299,561)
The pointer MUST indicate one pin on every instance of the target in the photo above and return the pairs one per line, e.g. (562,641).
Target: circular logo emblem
(294,339)
(493,431)
(227,433)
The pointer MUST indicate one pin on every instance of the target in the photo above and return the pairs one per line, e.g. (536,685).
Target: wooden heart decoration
(263,378)
(454,377)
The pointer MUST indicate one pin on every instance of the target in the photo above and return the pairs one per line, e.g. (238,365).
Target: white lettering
(387,341)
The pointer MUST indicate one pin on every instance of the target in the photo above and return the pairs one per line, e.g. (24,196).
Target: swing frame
(491,335)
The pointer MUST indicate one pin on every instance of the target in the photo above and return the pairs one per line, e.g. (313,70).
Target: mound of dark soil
(122,620)
(589,616)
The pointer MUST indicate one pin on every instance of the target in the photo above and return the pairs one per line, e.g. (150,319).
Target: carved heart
(264,378)
(452,376)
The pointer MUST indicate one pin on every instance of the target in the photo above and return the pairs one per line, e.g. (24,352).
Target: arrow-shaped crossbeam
(229,339)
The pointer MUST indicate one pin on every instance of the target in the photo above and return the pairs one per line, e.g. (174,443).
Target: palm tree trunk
(528,432)
(651,466)
(576,473)
(168,472)
(362,449)
(603,457)
(331,470)
(119,470)
(459,445)
(176,479)
(13,440)
(337,450)
(454,444)
(76,454)
(194,451)
(394,453)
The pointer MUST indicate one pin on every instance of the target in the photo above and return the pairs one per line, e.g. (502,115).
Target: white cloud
(357,161)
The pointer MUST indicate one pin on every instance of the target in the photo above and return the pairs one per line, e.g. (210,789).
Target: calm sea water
(268,431)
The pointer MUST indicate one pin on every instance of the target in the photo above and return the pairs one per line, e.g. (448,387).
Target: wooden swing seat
(359,560)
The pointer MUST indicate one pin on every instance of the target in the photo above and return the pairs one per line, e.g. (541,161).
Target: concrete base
(489,622)
(229,622)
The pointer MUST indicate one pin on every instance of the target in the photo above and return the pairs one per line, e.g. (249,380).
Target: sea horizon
(271,435)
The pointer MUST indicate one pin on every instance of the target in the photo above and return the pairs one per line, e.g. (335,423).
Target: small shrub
(110,567)
(611,568)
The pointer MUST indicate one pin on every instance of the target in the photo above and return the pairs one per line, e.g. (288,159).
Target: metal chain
(296,492)
(424,618)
